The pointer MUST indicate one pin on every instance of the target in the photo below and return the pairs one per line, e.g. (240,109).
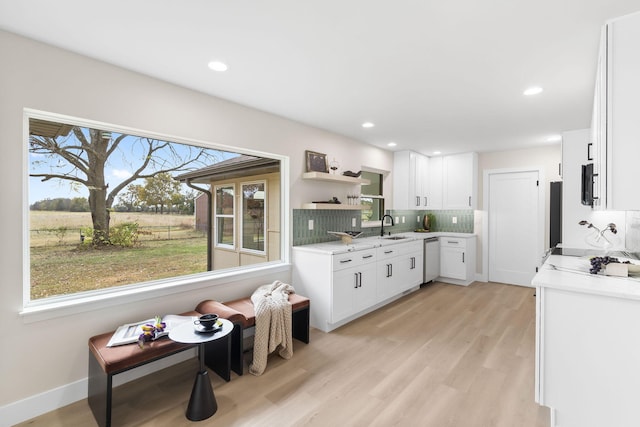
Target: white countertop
(337,247)
(572,274)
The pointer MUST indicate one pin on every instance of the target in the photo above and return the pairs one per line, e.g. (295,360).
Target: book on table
(130,333)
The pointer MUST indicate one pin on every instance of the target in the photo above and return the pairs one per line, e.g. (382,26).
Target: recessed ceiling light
(554,138)
(367,125)
(534,90)
(437,152)
(218,66)
(392,144)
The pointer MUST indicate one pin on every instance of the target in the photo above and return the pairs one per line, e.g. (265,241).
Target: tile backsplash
(341,220)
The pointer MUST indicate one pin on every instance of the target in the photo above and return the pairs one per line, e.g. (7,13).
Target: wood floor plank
(444,355)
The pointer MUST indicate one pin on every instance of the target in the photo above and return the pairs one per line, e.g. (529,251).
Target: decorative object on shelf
(334,165)
(352,174)
(333,201)
(316,162)
(353,199)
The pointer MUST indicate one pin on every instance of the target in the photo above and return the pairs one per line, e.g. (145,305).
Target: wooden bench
(221,356)
(241,313)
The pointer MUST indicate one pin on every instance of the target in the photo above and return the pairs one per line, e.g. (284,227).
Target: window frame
(380,197)
(264,218)
(216,216)
(52,307)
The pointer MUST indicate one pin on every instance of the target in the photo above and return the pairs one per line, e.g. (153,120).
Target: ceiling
(431,75)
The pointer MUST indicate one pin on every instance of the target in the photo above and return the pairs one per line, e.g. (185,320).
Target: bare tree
(81,157)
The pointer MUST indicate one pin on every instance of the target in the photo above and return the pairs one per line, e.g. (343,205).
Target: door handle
(359,280)
(589,145)
(355,286)
(417,200)
(469,200)
(462,256)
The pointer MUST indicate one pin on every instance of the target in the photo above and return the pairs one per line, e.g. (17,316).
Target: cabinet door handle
(469,200)
(344,261)
(417,200)
(388,270)
(367,256)
(391,269)
(359,280)
(413,262)
(425,200)
(356,280)
(589,151)
(462,256)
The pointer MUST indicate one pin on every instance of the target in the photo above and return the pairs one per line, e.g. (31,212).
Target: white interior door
(514,227)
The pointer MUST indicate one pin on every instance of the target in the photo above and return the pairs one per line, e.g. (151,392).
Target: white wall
(574,235)
(39,356)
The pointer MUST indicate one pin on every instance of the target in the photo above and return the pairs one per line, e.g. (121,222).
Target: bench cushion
(120,358)
(244,307)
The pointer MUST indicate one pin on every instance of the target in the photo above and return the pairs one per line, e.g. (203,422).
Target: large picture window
(111,207)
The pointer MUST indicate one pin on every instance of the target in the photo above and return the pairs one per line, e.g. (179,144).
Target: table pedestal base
(202,403)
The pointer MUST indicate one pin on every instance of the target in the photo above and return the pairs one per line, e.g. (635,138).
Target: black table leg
(202,403)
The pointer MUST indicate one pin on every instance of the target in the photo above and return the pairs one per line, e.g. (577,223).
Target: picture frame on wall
(316,162)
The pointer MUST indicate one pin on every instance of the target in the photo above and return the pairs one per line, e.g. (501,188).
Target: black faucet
(382,224)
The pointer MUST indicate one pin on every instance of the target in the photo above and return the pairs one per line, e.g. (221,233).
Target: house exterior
(252,235)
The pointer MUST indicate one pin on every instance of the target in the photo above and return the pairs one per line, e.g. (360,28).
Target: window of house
(371,199)
(111,207)
(253,216)
(225,216)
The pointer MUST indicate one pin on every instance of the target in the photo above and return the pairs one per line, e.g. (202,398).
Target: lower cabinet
(399,268)
(344,286)
(353,290)
(457,260)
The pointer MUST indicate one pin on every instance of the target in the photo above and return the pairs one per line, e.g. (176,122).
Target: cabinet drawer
(453,242)
(353,259)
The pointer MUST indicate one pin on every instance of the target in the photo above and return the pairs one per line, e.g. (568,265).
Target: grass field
(60,265)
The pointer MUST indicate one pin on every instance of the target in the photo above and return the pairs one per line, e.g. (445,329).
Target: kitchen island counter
(587,345)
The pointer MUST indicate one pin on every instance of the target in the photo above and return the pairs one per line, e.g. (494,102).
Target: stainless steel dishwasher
(431,259)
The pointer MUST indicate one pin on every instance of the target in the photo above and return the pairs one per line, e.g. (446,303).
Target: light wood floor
(443,356)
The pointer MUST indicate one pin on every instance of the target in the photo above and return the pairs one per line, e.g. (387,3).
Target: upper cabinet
(434,184)
(410,180)
(615,125)
(422,183)
(459,183)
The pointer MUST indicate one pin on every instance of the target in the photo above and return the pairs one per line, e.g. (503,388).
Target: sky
(121,165)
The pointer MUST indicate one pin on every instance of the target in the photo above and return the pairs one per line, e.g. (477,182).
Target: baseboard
(50,400)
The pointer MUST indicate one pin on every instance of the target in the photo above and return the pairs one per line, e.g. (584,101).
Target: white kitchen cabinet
(347,285)
(354,288)
(410,180)
(434,184)
(399,268)
(457,260)
(459,181)
(615,125)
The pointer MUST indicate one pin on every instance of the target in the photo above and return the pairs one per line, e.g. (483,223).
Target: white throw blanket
(273,324)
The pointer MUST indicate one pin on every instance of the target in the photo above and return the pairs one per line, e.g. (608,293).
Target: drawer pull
(344,261)
(453,243)
(388,252)
(367,256)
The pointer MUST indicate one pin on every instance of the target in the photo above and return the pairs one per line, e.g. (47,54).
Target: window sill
(65,306)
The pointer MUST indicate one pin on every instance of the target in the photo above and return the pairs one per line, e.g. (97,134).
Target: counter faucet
(382,224)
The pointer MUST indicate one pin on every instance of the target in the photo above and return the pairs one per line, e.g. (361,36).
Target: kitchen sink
(394,237)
